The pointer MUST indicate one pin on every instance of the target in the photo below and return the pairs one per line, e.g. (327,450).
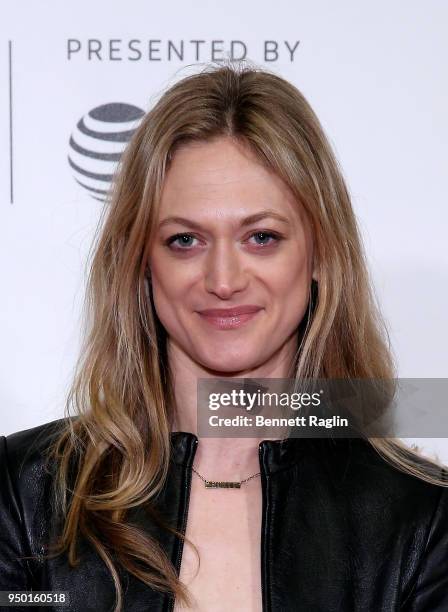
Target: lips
(230,312)
(229,318)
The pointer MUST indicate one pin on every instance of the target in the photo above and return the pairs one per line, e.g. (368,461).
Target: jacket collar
(275,455)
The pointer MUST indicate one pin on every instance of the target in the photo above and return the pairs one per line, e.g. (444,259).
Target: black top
(342,530)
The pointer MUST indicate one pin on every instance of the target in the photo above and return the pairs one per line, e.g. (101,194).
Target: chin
(227,363)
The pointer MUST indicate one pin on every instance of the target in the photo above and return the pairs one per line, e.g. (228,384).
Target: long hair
(122,393)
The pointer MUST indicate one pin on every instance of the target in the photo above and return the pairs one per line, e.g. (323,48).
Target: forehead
(222,174)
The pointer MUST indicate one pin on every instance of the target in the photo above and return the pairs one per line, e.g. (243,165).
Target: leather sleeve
(430,593)
(14,573)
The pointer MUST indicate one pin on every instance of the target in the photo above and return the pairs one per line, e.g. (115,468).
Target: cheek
(290,289)
(293,275)
(171,292)
(167,278)
(293,299)
(172,275)
(165,295)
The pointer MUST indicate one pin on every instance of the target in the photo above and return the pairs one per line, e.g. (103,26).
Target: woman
(229,249)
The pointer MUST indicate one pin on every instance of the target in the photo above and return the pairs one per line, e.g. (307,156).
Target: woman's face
(229,236)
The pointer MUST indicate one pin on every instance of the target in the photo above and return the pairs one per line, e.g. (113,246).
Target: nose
(225,273)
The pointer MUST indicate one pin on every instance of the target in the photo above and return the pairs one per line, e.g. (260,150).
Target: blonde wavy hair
(122,395)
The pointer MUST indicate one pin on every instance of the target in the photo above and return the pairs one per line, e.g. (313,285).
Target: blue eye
(184,240)
(264,237)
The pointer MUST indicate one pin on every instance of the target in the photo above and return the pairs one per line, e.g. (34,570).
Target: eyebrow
(264,214)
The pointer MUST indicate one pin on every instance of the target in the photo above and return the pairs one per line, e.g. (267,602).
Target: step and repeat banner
(77,77)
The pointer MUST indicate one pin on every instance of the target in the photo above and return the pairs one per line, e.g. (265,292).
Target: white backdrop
(375,73)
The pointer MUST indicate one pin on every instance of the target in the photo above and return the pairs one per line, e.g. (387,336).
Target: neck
(218,458)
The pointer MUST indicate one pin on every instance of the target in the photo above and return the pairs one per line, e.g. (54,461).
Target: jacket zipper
(264,576)
(184,525)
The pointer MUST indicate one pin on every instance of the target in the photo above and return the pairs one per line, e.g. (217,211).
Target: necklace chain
(213,484)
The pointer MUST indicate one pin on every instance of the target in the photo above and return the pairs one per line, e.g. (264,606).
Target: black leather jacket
(342,530)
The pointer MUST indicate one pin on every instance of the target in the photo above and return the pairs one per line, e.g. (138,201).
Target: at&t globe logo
(98,142)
